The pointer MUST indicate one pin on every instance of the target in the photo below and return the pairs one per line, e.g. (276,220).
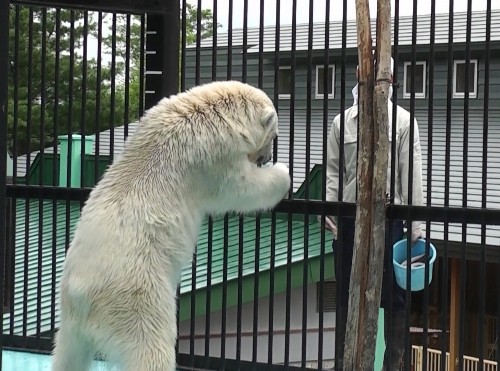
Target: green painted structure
(71,158)
(41,241)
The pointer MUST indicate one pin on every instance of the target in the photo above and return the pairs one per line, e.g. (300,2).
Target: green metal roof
(46,236)
(303,251)
(37,236)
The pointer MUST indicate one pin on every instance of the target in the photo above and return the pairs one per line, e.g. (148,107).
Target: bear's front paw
(281,170)
(281,166)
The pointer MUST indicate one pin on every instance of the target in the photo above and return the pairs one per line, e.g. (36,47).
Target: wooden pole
(362,237)
(369,238)
(379,190)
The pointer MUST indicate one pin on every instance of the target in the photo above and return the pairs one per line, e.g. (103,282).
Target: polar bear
(193,154)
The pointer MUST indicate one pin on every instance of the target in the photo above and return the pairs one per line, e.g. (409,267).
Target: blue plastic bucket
(417,274)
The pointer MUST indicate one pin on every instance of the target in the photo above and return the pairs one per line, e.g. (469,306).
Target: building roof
(45,240)
(441,34)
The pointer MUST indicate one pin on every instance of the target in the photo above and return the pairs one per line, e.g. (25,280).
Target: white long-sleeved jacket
(403,147)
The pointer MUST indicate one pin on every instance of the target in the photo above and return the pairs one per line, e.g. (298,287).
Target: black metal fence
(262,289)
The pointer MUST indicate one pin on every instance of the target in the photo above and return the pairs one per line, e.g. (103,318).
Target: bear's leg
(150,355)
(72,351)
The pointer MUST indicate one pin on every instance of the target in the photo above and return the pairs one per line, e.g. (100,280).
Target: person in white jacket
(392,295)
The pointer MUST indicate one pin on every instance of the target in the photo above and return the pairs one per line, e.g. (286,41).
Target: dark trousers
(392,294)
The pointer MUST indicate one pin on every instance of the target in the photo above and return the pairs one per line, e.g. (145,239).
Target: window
(320,81)
(329,296)
(284,82)
(459,77)
(420,79)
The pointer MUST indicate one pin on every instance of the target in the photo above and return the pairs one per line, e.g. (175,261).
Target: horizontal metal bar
(200,363)
(47,192)
(431,213)
(125,6)
(296,206)
(28,343)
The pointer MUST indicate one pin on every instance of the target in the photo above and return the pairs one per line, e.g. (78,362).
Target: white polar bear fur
(193,154)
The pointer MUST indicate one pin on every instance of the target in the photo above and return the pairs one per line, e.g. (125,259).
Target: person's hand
(329,224)
(416,232)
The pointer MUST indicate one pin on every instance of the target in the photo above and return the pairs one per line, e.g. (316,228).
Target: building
(295,70)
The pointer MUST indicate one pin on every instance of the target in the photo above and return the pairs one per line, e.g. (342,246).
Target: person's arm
(332,163)
(332,172)
(416,178)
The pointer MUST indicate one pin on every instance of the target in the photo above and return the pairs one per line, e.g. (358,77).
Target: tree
(55,90)
(369,244)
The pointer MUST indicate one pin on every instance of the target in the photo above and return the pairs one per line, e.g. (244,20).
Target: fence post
(4,61)
(162,67)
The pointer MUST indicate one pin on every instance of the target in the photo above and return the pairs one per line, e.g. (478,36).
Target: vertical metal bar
(183,46)
(256,293)
(407,353)
(192,317)
(484,186)
(239,314)
(192,322)
(463,263)
(323,193)
(69,126)
(449,92)
(392,191)
(14,150)
(98,97)
(338,254)
(83,113)
(224,291)
(113,90)
(182,85)
(42,145)
(28,163)
(272,258)
(260,80)
(55,203)
(230,41)
(210,218)
(430,132)
(226,217)
(198,42)
(239,304)
(288,304)
(4,63)
(305,264)
(209,290)
(126,113)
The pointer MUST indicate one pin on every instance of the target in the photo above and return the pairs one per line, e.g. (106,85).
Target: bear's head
(258,122)
(229,117)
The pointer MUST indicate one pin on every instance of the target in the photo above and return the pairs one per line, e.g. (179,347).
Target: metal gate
(262,289)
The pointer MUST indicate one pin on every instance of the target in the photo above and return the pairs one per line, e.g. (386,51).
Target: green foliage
(207,24)
(54,89)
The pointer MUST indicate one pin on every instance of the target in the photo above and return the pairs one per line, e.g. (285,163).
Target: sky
(336,9)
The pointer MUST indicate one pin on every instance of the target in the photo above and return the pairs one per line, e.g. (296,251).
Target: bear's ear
(269,118)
